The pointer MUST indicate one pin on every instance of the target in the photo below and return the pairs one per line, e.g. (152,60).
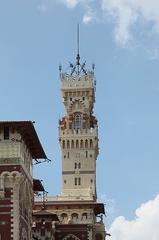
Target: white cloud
(143,227)
(71,3)
(132,19)
(129,13)
(89,16)
(111,204)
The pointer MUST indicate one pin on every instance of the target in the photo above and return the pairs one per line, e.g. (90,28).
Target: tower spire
(77,68)
(78,54)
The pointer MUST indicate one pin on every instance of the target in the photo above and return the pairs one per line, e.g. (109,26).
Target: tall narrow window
(91,143)
(77,144)
(63,144)
(68,155)
(72,144)
(86,143)
(6,133)
(68,144)
(75,165)
(75,181)
(77,121)
(86,154)
(79,165)
(81,143)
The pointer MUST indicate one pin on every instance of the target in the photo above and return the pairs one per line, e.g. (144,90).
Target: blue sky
(121,38)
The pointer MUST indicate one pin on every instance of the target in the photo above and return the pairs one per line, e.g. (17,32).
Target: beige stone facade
(78,137)
(19,145)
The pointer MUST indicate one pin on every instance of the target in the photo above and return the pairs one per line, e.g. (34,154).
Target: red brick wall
(5,216)
(6,206)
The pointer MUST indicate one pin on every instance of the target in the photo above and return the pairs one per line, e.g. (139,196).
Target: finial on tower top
(77,68)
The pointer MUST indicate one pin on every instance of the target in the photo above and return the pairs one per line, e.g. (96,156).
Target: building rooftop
(29,135)
(98,207)
(44,213)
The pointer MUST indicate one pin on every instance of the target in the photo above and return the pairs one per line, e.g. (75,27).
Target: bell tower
(80,215)
(78,132)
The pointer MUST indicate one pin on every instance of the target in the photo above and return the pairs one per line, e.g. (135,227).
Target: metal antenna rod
(78,39)
(78,54)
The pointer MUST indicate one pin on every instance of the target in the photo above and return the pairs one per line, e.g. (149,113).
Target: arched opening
(84,216)
(91,143)
(81,143)
(64,217)
(86,143)
(74,216)
(63,144)
(77,144)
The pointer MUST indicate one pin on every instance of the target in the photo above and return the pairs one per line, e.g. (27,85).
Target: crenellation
(84,81)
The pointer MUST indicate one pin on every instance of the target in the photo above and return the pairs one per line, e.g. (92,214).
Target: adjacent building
(19,145)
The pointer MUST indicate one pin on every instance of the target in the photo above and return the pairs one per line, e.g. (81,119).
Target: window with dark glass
(6,133)
(77,121)
(75,181)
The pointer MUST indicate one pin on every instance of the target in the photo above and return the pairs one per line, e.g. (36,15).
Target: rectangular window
(6,133)
(79,181)
(68,154)
(76,181)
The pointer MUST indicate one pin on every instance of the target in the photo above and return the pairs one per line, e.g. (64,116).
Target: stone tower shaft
(78,136)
